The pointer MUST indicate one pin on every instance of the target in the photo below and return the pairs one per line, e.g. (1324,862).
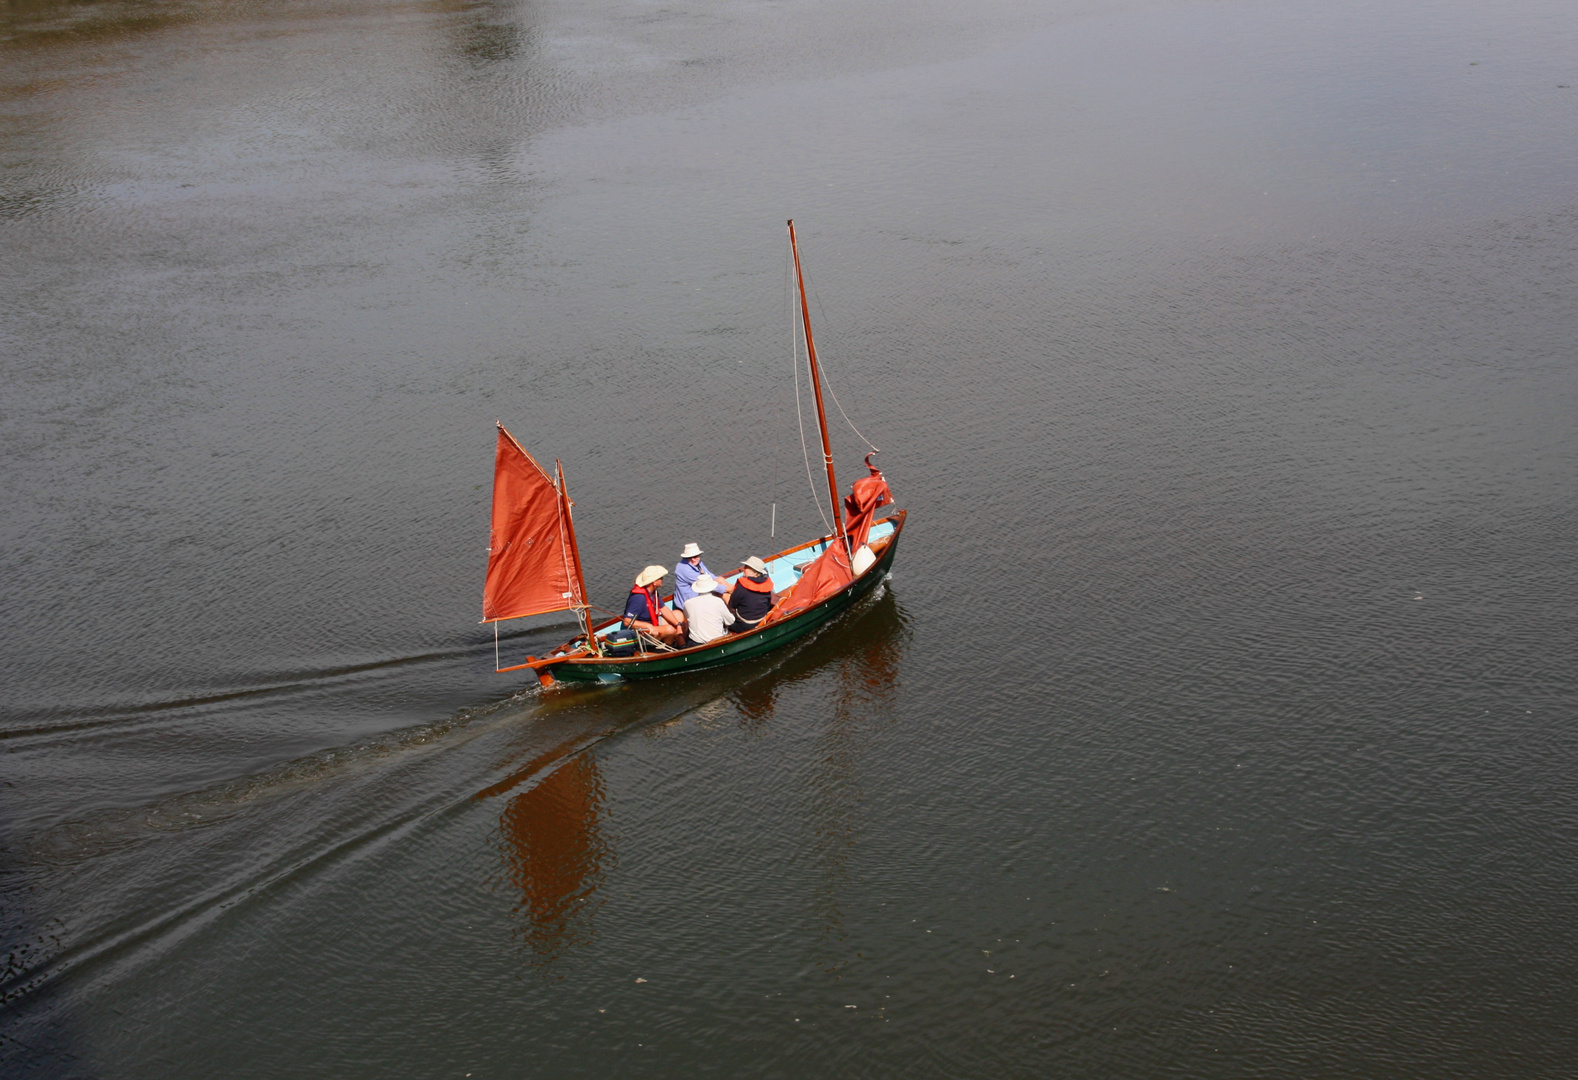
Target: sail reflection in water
(555,855)
(551,836)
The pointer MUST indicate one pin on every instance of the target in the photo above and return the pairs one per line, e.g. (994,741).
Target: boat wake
(45,720)
(92,901)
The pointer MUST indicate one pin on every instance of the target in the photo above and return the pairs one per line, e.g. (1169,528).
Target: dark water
(1221,716)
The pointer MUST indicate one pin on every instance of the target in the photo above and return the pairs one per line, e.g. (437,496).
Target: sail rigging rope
(871,445)
(772,523)
(794,362)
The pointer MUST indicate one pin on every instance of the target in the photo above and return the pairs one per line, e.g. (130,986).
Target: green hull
(732,649)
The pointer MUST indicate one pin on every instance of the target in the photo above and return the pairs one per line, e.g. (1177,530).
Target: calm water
(1220,718)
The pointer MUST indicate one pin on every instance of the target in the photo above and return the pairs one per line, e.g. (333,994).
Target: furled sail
(865,497)
(831,570)
(824,576)
(530,567)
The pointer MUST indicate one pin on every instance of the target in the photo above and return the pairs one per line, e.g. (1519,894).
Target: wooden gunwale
(587,666)
(567,658)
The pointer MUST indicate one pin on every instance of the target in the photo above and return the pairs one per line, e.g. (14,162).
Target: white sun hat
(704,585)
(690,552)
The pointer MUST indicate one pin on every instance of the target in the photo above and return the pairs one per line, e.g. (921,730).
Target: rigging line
(829,383)
(805,451)
(794,338)
(772,524)
(564,547)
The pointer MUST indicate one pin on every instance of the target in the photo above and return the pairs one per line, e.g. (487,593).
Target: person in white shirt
(706,613)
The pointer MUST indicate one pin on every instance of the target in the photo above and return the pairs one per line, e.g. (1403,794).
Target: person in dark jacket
(751,596)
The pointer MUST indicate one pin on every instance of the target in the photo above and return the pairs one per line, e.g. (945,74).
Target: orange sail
(831,570)
(531,566)
(822,577)
(868,494)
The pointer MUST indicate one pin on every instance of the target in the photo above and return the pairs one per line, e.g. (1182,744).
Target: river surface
(1220,718)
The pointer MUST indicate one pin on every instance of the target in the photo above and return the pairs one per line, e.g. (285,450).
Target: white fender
(863,559)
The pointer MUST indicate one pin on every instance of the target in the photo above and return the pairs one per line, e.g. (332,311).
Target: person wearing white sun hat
(644,612)
(705,613)
(686,571)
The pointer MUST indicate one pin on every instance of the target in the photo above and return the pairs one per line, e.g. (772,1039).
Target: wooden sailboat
(534,564)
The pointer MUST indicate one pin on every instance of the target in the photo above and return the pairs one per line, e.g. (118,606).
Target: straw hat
(704,585)
(649,575)
(690,552)
(756,564)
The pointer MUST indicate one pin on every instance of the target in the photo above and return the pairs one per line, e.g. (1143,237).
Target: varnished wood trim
(584,660)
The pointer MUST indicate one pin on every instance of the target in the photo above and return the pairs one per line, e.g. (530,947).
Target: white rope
(830,389)
(772,527)
(845,415)
(794,361)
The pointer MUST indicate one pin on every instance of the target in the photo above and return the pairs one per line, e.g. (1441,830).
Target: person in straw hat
(686,571)
(643,612)
(706,614)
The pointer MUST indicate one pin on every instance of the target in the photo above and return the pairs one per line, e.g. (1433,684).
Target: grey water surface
(1220,718)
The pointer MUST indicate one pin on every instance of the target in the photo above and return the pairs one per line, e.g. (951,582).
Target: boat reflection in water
(554,848)
(555,854)
(868,655)
(867,650)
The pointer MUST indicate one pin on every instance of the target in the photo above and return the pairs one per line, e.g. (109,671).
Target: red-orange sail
(868,494)
(531,570)
(831,570)
(822,577)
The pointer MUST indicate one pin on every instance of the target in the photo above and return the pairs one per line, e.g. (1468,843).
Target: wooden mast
(816,385)
(575,557)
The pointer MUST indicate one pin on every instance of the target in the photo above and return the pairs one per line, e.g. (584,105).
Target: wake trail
(367,797)
(43,721)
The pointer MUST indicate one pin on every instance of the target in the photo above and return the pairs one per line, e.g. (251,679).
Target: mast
(575,557)
(816,385)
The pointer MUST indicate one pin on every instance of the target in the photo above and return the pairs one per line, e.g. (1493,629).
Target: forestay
(831,570)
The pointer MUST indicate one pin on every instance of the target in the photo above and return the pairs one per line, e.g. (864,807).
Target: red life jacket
(650,592)
(764,585)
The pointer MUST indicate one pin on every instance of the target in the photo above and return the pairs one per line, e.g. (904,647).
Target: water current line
(120,947)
